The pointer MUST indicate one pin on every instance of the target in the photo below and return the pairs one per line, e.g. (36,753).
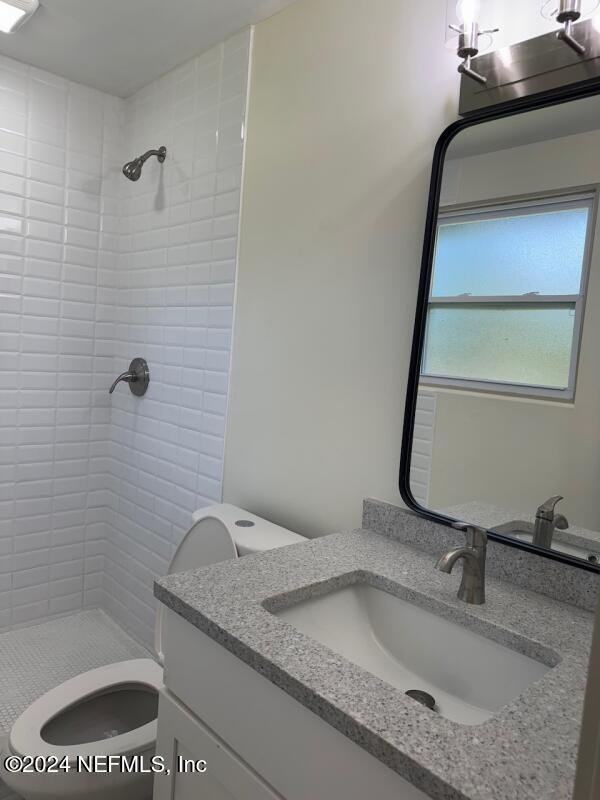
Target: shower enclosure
(95,270)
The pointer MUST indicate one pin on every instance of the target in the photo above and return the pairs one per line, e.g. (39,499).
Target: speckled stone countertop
(526,751)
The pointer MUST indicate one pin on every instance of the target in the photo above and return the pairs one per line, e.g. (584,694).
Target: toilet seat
(26,734)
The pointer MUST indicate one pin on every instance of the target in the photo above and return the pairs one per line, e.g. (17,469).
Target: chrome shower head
(133,169)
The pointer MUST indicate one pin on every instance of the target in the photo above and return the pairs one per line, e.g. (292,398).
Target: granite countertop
(526,751)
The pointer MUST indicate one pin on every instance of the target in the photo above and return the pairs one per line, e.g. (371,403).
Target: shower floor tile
(36,659)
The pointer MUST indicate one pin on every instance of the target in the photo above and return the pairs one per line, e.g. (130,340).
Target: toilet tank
(250,534)
(219,533)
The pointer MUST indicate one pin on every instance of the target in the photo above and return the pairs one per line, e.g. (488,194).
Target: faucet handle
(546,510)
(561,522)
(476,535)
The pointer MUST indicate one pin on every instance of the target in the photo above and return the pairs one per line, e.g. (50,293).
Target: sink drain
(422,697)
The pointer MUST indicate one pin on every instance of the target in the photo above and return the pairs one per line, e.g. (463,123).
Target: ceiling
(119,46)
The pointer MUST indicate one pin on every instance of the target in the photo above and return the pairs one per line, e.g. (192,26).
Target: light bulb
(10,16)
(468,11)
(14,13)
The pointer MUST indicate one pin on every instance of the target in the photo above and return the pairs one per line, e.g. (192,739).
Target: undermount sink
(470,676)
(523,531)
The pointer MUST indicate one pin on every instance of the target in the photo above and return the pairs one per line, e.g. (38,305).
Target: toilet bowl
(90,721)
(110,711)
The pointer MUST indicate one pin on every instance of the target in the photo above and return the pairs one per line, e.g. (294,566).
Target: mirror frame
(554,97)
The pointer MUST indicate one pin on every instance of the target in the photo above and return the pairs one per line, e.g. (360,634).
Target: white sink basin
(470,677)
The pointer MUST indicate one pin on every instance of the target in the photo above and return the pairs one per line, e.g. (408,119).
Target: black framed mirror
(502,419)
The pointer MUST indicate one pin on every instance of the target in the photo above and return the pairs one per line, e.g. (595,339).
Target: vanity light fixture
(15,13)
(567,12)
(468,12)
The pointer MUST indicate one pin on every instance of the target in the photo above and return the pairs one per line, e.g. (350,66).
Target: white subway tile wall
(174,307)
(422,453)
(53,150)
(97,492)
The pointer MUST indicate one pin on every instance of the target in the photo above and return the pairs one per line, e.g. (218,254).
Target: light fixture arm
(466,69)
(569,11)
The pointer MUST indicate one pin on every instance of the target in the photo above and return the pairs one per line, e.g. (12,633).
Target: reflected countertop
(491,516)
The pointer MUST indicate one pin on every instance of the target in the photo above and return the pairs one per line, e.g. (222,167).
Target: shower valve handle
(138,377)
(128,377)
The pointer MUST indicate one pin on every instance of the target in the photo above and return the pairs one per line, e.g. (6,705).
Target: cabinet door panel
(183,740)
(189,786)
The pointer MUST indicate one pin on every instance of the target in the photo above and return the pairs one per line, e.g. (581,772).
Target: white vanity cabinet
(258,742)
(199,764)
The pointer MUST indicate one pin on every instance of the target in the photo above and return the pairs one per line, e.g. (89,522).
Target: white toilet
(112,711)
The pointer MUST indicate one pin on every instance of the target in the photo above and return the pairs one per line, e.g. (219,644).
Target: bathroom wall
(173,306)
(345,109)
(57,140)
(499,430)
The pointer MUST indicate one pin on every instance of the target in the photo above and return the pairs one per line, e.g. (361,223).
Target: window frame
(505,207)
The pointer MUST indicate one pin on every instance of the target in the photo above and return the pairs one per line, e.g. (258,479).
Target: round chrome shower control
(137,376)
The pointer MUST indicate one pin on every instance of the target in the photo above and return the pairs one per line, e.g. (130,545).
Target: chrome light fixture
(468,12)
(15,13)
(568,12)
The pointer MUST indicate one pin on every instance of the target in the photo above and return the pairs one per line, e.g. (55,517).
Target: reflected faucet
(473,556)
(547,521)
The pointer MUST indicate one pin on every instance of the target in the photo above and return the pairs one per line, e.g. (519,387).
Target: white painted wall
(516,452)
(345,108)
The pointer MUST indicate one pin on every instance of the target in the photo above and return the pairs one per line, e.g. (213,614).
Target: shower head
(133,169)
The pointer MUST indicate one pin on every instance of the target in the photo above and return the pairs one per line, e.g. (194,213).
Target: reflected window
(507,296)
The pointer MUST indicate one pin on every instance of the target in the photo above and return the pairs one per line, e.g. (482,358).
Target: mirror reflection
(507,432)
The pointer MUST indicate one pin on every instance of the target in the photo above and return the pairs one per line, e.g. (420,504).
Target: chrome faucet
(472,587)
(547,521)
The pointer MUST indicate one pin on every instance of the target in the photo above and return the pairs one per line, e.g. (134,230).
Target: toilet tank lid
(238,534)
(251,534)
